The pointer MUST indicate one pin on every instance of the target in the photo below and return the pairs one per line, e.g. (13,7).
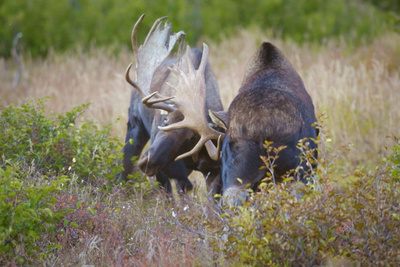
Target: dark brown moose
(152,77)
(272,104)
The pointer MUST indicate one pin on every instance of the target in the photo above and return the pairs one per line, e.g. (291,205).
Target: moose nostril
(149,167)
(144,161)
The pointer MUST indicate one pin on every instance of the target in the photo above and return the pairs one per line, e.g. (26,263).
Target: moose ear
(220,118)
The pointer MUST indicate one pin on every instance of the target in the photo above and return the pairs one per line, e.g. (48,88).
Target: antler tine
(153,28)
(188,61)
(163,99)
(129,80)
(134,35)
(214,152)
(204,58)
(181,46)
(158,103)
(195,150)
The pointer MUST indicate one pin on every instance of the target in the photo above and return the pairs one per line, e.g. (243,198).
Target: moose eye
(165,120)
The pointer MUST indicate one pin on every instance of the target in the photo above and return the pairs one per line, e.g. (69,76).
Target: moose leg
(177,170)
(136,139)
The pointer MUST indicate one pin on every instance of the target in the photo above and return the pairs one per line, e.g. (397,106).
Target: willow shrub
(58,143)
(39,155)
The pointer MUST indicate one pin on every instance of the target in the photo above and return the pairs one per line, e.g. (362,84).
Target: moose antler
(158,103)
(149,56)
(190,101)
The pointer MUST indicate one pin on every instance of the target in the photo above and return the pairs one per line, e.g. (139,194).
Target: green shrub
(27,202)
(395,159)
(59,144)
(39,156)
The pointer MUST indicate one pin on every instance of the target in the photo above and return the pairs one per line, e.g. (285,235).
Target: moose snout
(147,164)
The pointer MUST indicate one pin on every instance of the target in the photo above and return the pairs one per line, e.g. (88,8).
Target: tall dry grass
(72,79)
(356,90)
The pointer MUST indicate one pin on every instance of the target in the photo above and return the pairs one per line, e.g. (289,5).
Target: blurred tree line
(62,24)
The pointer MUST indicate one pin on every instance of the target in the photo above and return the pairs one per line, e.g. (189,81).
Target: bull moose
(272,104)
(152,77)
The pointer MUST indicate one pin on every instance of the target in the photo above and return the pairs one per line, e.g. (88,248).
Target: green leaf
(33,234)
(92,211)
(51,247)
(286,180)
(263,184)
(78,204)
(332,239)
(49,212)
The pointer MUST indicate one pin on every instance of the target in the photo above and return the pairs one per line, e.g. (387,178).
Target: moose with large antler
(272,104)
(153,77)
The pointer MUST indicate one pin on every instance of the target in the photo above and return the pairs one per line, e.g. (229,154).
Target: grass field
(355,93)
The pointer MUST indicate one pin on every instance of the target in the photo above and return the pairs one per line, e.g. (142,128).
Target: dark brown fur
(272,105)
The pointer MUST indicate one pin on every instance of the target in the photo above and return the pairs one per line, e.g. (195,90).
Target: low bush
(27,202)
(359,223)
(59,144)
(39,156)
